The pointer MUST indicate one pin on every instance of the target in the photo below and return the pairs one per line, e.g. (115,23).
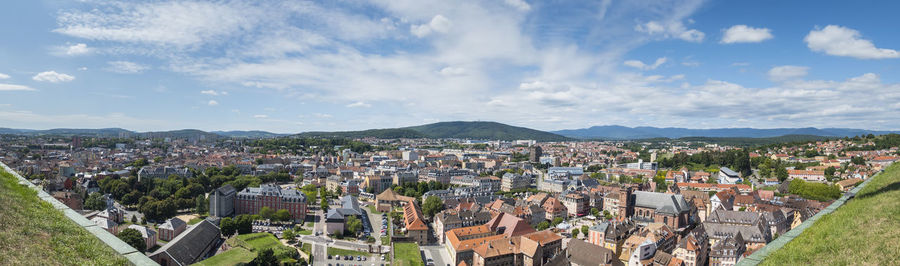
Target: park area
(245,247)
(407,254)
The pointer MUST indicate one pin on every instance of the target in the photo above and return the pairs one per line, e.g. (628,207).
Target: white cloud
(82,69)
(214,92)
(77,49)
(260,116)
(519,4)
(126,67)
(453,71)
(438,23)
(359,104)
(4,76)
(640,65)
(14,87)
(746,34)
(782,73)
(212,103)
(843,41)
(672,29)
(53,77)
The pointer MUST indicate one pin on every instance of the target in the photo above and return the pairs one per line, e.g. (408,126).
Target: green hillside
(865,231)
(458,129)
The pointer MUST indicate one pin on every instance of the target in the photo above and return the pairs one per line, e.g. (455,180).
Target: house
(461,242)
(553,208)
(576,204)
(451,219)
(847,184)
(70,199)
(581,253)
(532,249)
(416,229)
(389,199)
(336,218)
(728,251)
(807,175)
(693,248)
(754,228)
(171,228)
(511,181)
(147,234)
(728,176)
(106,224)
(195,244)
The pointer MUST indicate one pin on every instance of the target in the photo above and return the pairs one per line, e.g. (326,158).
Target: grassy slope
(256,241)
(344,252)
(407,254)
(865,231)
(32,232)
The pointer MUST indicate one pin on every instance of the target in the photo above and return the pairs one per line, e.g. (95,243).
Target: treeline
(814,190)
(737,160)
(306,145)
(880,142)
(161,198)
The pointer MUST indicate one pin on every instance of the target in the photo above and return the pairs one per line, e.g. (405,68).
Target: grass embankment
(245,248)
(346,252)
(407,254)
(865,231)
(32,232)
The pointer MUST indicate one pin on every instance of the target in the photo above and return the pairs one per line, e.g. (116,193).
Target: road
(438,253)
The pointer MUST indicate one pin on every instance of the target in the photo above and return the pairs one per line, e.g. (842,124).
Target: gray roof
(190,246)
(661,202)
(734,217)
(226,189)
(273,190)
(583,253)
(173,223)
(728,171)
(754,234)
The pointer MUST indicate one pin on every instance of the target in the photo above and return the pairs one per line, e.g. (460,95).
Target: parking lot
(354,260)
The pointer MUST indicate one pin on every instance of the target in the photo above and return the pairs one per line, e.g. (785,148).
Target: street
(438,253)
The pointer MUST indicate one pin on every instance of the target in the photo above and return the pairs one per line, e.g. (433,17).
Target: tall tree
(432,206)
(133,237)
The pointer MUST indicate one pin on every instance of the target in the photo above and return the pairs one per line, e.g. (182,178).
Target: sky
(295,66)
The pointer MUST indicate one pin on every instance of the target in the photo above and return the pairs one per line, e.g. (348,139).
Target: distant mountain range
(475,130)
(457,129)
(622,132)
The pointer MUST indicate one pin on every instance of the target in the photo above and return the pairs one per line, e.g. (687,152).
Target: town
(422,201)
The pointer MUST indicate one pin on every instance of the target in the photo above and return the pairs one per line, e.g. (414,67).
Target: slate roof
(190,246)
(661,202)
(173,223)
(584,253)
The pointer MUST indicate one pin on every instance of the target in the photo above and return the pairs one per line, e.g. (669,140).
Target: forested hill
(458,129)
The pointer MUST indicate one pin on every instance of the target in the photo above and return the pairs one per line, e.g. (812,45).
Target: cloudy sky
(340,65)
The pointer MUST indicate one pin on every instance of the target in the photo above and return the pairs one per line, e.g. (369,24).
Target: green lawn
(407,254)
(32,232)
(345,252)
(372,209)
(865,231)
(305,232)
(195,220)
(245,248)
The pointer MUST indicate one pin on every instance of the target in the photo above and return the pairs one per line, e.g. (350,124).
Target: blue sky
(343,65)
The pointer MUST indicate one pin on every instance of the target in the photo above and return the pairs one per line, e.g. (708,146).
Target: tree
(607,215)
(201,205)
(556,221)
(134,219)
(585,229)
(829,172)
(243,224)
(282,215)
(157,159)
(543,225)
(288,235)
(133,237)
(858,160)
(781,173)
(266,213)
(95,202)
(265,258)
(595,212)
(432,206)
(227,226)
(354,225)
(324,204)
(575,233)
